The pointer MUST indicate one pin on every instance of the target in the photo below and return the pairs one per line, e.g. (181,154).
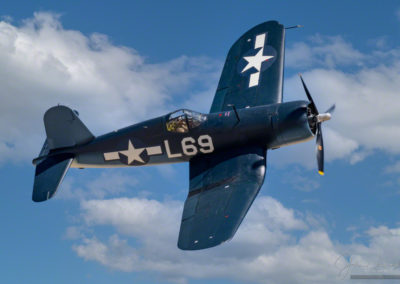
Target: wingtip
(321,173)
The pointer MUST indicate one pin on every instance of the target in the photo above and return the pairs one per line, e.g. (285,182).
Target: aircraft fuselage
(151,142)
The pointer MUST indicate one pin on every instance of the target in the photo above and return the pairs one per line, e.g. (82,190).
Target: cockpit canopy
(182,120)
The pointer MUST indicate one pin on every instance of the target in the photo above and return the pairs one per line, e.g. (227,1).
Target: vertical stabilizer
(64,128)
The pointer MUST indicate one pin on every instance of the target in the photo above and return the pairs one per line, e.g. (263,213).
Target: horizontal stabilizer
(64,128)
(49,175)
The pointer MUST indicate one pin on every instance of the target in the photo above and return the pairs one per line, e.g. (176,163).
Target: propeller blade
(312,104)
(331,109)
(318,119)
(320,150)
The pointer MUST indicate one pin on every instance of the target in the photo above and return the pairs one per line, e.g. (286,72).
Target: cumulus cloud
(43,64)
(365,90)
(366,96)
(274,243)
(377,256)
(115,254)
(367,104)
(327,51)
(393,169)
(110,183)
(264,246)
(364,87)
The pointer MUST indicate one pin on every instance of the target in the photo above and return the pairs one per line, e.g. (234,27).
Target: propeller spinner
(315,119)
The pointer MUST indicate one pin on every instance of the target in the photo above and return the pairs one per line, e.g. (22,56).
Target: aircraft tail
(64,129)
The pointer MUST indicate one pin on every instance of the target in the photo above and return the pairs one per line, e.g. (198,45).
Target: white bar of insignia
(156,150)
(260,40)
(111,156)
(254,79)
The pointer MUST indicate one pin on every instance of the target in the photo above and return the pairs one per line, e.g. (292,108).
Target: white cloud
(365,93)
(327,51)
(43,64)
(270,211)
(359,156)
(365,90)
(367,104)
(110,183)
(135,216)
(115,254)
(338,146)
(264,246)
(395,168)
(375,257)
(366,116)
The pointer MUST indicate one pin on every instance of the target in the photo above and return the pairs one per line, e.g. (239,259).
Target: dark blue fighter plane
(226,149)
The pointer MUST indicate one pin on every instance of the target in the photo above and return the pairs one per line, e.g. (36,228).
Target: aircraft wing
(222,188)
(253,70)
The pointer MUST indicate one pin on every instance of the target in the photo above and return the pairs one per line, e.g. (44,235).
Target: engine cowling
(291,124)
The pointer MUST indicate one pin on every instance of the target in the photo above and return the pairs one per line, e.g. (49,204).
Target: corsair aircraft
(226,149)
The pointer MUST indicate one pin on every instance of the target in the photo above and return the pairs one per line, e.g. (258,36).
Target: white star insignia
(256,60)
(133,154)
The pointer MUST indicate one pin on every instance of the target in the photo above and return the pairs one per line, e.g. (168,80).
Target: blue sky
(122,62)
